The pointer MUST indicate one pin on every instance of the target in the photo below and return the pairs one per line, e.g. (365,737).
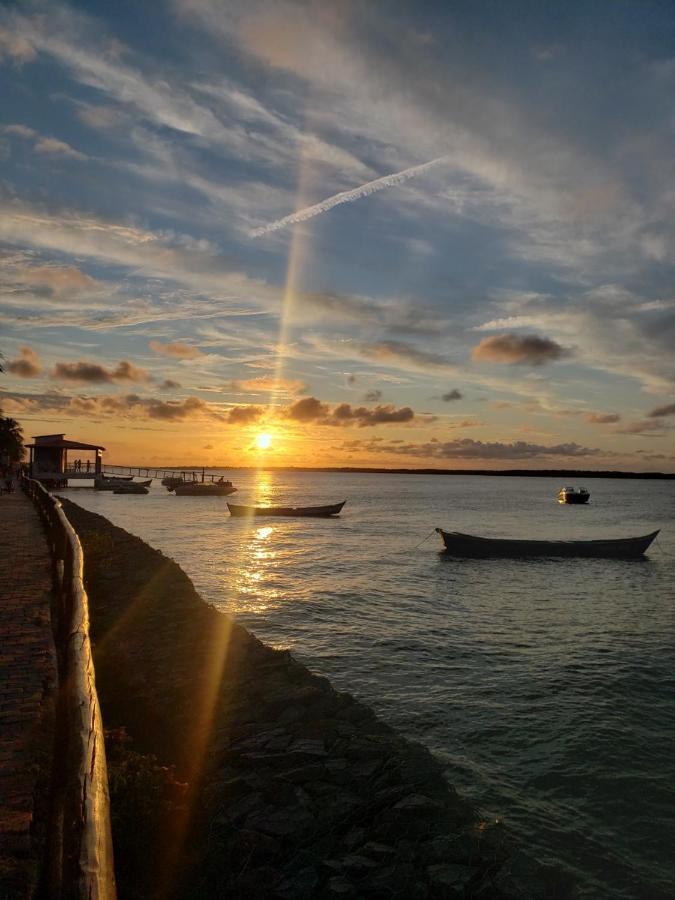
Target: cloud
(364,190)
(93,373)
(309,409)
(169,384)
(130,406)
(373,396)
(454,394)
(15,47)
(645,428)
(602,418)
(19,130)
(266,384)
(27,366)
(660,411)
(515,349)
(245,415)
(467,448)
(400,353)
(54,147)
(175,350)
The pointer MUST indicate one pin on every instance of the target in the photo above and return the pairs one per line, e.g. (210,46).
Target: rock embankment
(236,772)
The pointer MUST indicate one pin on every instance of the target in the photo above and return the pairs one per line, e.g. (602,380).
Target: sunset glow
(214,231)
(263,441)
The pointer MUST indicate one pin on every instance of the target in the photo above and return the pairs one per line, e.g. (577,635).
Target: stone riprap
(28,676)
(290,788)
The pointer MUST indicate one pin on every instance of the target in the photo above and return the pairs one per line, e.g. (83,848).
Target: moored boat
(573,495)
(317,512)
(218,488)
(458,544)
(110,482)
(133,487)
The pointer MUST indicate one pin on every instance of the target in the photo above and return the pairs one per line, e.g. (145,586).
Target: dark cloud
(519,350)
(244,415)
(93,373)
(661,411)
(373,396)
(81,371)
(469,449)
(27,365)
(602,418)
(454,394)
(645,427)
(169,384)
(130,406)
(309,409)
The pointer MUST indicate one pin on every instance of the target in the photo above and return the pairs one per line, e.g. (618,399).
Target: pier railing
(80,856)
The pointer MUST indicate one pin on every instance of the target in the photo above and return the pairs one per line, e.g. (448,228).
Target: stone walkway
(27,689)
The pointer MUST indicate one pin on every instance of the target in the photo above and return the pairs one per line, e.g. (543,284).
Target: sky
(383,233)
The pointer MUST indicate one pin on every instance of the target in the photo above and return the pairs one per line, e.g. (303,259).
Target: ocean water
(547,687)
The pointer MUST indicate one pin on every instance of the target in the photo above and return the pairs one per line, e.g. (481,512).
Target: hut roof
(59,441)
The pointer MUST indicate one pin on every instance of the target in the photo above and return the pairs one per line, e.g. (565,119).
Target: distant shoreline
(521,473)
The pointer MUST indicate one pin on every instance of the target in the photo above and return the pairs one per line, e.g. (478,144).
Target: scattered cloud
(245,415)
(660,411)
(454,394)
(54,147)
(602,418)
(645,427)
(94,373)
(373,396)
(519,350)
(169,384)
(27,365)
(175,349)
(309,409)
(266,384)
(466,448)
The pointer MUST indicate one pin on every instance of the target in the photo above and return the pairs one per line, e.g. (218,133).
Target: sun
(263,441)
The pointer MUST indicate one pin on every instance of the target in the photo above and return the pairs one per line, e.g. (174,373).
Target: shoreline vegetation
(518,473)
(234,771)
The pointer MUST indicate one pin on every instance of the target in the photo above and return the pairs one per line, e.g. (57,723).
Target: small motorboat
(317,512)
(218,488)
(458,544)
(573,495)
(133,487)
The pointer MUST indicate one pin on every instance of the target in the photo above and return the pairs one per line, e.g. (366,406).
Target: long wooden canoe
(317,512)
(458,544)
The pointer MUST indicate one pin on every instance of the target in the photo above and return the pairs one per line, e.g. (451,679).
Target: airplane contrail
(346,197)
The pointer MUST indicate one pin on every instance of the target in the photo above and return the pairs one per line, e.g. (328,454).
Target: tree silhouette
(11,440)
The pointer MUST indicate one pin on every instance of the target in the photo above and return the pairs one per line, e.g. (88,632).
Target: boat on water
(573,495)
(171,481)
(317,512)
(110,482)
(458,544)
(133,487)
(218,488)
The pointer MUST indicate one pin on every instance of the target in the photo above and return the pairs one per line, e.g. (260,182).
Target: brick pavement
(27,693)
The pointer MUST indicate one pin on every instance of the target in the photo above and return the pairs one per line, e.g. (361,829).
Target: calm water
(548,686)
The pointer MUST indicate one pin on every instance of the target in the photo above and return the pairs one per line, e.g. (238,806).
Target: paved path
(27,685)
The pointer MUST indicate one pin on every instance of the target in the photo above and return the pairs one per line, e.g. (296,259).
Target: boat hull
(312,512)
(467,545)
(573,498)
(202,489)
